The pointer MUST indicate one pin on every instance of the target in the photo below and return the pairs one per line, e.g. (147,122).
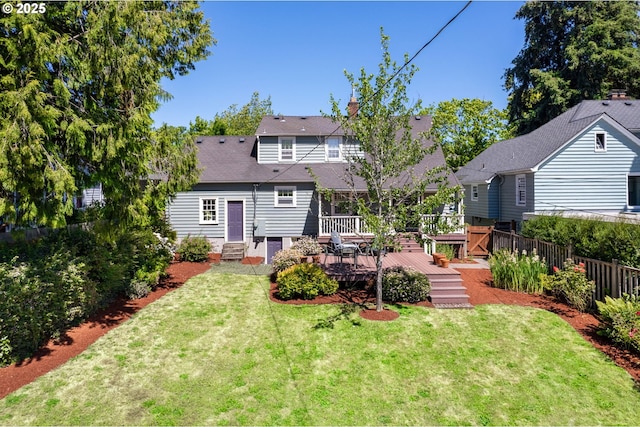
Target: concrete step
(232,252)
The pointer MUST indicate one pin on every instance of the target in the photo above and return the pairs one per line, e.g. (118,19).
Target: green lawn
(218,352)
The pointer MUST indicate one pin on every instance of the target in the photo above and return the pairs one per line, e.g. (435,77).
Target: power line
(424,46)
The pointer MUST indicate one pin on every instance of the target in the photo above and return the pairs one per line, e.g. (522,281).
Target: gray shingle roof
(528,151)
(234,161)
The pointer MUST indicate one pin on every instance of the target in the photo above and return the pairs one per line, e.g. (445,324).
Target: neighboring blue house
(260,191)
(584,162)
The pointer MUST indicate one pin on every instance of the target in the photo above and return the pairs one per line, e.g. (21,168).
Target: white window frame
(474,192)
(596,145)
(201,210)
(279,199)
(283,139)
(629,205)
(327,150)
(521,191)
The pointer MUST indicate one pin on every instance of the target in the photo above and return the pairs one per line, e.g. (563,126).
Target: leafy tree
(573,51)
(78,84)
(466,127)
(234,120)
(391,153)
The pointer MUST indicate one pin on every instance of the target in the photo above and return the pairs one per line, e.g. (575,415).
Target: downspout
(254,197)
(501,181)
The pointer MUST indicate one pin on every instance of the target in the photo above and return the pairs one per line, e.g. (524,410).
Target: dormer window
(601,141)
(287,148)
(333,149)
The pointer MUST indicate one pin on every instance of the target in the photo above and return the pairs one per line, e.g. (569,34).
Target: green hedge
(590,238)
(49,285)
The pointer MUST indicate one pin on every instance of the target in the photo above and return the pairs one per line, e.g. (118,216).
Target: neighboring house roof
(235,160)
(527,152)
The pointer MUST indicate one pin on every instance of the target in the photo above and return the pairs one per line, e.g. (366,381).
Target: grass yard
(217,351)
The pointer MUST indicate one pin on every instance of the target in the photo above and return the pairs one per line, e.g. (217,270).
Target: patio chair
(336,245)
(344,249)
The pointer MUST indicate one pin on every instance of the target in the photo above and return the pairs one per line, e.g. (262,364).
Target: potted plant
(308,246)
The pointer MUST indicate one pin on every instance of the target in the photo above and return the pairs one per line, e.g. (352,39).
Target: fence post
(569,251)
(513,240)
(615,284)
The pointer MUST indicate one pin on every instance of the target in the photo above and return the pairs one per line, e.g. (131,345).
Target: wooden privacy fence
(610,278)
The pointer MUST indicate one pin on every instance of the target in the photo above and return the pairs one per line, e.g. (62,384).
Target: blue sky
(297,51)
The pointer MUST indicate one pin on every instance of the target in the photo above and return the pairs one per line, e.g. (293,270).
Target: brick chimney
(615,94)
(353,104)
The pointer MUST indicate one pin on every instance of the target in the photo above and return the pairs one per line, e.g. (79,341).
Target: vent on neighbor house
(241,140)
(221,140)
(199,141)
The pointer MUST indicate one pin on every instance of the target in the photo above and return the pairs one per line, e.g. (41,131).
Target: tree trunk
(379,281)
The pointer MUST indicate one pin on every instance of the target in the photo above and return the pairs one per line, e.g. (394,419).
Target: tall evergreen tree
(573,51)
(78,84)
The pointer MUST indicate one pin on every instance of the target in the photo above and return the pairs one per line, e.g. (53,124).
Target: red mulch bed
(477,282)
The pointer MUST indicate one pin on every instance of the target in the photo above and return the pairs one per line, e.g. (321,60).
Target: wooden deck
(447,290)
(366,264)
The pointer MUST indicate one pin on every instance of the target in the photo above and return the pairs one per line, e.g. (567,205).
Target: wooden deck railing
(450,223)
(610,278)
(355,225)
(343,225)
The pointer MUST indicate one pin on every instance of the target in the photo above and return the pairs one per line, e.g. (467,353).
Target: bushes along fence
(611,278)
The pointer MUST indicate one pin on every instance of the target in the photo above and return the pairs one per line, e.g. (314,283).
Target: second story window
(334,149)
(474,192)
(601,141)
(287,149)
(521,190)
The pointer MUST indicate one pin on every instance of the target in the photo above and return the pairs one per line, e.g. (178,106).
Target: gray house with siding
(584,162)
(260,190)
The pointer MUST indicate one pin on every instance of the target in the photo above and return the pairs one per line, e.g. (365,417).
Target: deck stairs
(447,290)
(232,252)
(409,244)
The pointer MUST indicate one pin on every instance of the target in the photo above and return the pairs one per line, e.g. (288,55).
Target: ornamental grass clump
(620,320)
(307,245)
(517,272)
(404,284)
(305,281)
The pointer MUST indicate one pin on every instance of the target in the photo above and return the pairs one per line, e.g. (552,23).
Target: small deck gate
(479,240)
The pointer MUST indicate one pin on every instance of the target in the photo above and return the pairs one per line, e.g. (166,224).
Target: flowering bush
(285,258)
(517,272)
(305,281)
(307,245)
(620,320)
(570,284)
(404,284)
(194,249)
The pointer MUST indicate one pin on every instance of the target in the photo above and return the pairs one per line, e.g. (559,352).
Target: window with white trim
(208,211)
(285,196)
(633,190)
(334,149)
(474,193)
(521,190)
(601,141)
(287,148)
